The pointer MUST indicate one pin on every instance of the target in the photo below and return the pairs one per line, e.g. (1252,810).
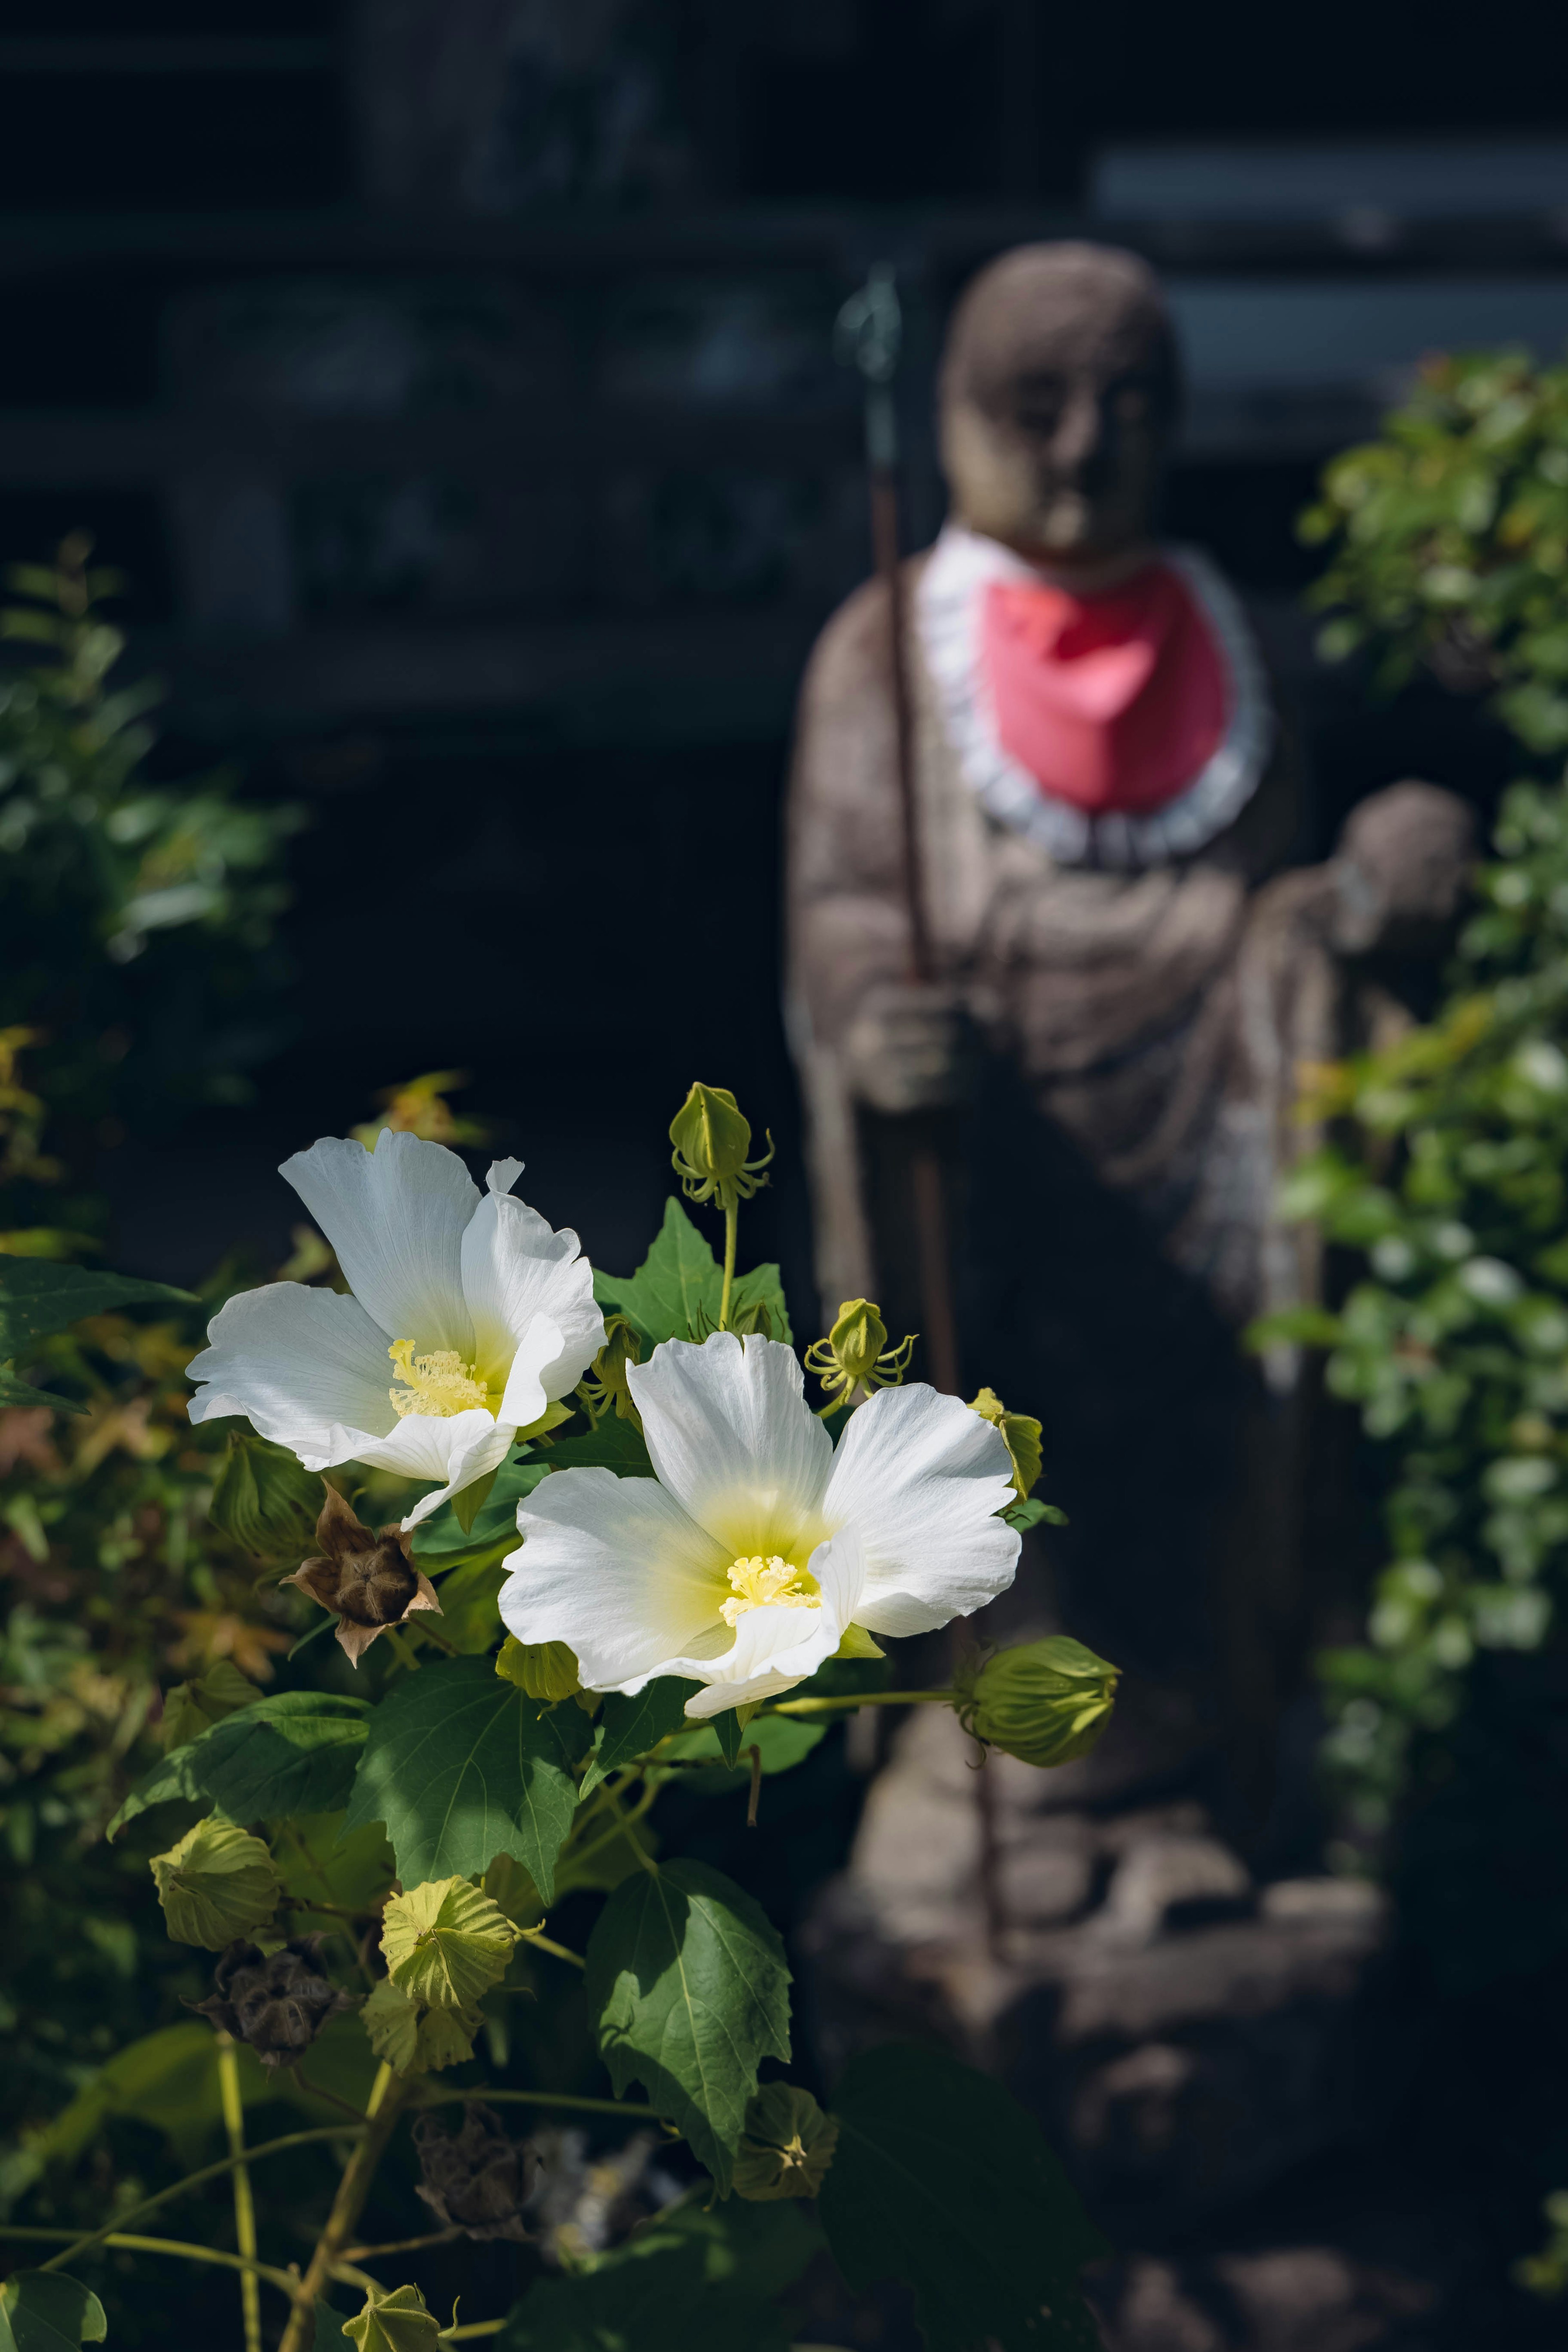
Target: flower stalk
(244,2202)
(388,2098)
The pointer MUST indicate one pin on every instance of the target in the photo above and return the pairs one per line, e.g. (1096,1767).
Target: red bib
(1114,702)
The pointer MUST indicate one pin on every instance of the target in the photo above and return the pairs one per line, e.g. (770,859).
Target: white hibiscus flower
(744,1563)
(469,1318)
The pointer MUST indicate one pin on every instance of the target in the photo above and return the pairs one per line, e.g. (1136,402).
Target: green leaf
(440,1542)
(1031,1513)
(782,1740)
(37,1296)
(265,1499)
(632,1727)
(15,1392)
(691,1989)
(444,1943)
(614,1446)
(329,2336)
(412,2037)
(728,1732)
(688,2281)
(44,2311)
(467,1504)
(470,1610)
(462,1767)
(293,1752)
(217,1883)
(676,1292)
(942,2180)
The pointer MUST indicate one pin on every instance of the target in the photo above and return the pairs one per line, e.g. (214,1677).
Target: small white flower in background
(744,1563)
(468,1319)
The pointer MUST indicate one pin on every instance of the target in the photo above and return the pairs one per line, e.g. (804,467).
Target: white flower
(468,1319)
(743,1563)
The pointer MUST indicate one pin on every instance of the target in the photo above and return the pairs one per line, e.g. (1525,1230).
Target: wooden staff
(869,335)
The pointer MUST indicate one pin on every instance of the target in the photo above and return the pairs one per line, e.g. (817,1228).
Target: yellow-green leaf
(446,1943)
(217,1882)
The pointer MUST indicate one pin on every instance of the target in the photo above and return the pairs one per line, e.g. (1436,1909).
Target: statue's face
(1056,413)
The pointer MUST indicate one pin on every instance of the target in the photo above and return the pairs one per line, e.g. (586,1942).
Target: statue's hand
(1401,872)
(911,1046)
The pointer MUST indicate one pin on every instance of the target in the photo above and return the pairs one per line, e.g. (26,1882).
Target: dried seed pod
(476,2179)
(366,1576)
(277,2002)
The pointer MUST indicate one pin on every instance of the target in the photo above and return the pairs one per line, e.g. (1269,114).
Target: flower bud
(446,1943)
(278,2001)
(546,1671)
(786,2146)
(412,2037)
(265,1500)
(477,2179)
(366,1578)
(856,1354)
(399,2322)
(217,1882)
(607,1383)
(1020,1434)
(711,1139)
(1045,1702)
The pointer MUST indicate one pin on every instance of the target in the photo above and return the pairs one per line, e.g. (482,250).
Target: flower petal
(456,1447)
(299,1364)
(614,1568)
(920,1478)
(396,1216)
(515,1270)
(731,1434)
(776,1648)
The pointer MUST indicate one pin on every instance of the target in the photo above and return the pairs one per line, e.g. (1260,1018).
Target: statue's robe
(1147,986)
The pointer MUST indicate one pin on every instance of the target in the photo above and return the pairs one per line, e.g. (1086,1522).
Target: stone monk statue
(1133,971)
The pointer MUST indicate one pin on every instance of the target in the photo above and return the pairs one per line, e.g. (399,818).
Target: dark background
(455,385)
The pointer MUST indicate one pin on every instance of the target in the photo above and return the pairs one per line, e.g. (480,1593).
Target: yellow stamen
(771,1583)
(440,1383)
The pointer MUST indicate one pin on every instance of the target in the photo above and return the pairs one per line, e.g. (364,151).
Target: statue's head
(1059,392)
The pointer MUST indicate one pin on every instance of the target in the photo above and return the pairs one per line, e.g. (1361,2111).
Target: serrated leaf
(676,1292)
(292,1752)
(691,2280)
(690,1987)
(412,2037)
(45,2311)
(217,1883)
(632,1727)
(941,2180)
(444,1943)
(39,1295)
(462,1767)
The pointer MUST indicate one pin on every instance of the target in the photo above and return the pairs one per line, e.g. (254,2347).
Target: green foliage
(1546,2273)
(44,2311)
(1451,539)
(634,1726)
(691,1989)
(690,2282)
(675,1293)
(37,1300)
(295,1752)
(1449,1182)
(991,2242)
(462,1767)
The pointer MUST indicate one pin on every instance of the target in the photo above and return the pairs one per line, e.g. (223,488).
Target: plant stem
(732,1230)
(861,1698)
(124,2240)
(755,1753)
(243,2204)
(403,1650)
(548,1944)
(402,2245)
(196,2179)
(387,2098)
(561,2099)
(472,2327)
(623,1823)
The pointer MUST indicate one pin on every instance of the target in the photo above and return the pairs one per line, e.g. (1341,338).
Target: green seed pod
(446,1943)
(711,1139)
(218,1882)
(1021,1435)
(546,1671)
(265,1500)
(1045,1702)
(786,2146)
(412,2037)
(856,1353)
(606,1385)
(398,2322)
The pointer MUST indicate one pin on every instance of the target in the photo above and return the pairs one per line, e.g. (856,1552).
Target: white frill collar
(949,606)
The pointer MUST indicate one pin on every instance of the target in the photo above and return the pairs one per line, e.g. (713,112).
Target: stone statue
(1133,976)
(1133,971)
